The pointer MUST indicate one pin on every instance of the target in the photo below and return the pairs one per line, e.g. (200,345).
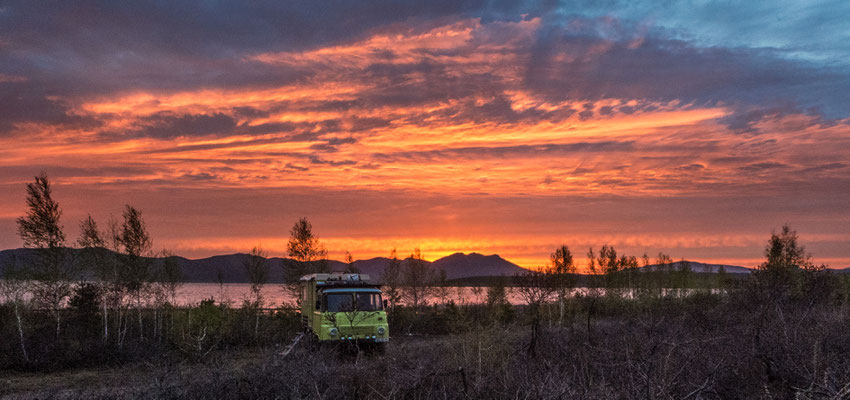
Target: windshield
(340,302)
(369,302)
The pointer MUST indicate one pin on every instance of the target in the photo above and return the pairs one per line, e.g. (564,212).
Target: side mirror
(385,304)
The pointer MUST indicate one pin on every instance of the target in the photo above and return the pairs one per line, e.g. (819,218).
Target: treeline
(103,297)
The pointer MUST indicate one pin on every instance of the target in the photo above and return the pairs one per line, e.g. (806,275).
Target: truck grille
(357,331)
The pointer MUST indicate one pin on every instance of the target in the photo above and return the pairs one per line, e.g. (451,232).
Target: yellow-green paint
(369,326)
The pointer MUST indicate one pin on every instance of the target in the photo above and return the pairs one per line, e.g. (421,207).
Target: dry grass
(700,347)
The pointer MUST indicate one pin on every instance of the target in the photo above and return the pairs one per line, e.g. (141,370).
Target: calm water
(275,295)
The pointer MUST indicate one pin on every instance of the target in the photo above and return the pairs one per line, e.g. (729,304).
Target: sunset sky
(694,129)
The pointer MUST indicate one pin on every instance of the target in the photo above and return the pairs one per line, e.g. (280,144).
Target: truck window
(337,302)
(369,302)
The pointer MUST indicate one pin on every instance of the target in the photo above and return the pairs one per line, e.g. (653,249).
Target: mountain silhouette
(457,266)
(231,267)
(700,267)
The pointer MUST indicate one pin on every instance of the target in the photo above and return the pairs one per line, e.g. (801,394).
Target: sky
(693,128)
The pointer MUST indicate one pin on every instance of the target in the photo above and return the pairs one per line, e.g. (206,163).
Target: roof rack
(336,278)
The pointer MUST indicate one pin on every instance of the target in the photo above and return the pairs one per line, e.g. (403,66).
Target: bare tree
(219,278)
(169,275)
(350,268)
(419,280)
(617,270)
(391,278)
(497,294)
(258,273)
(114,274)
(536,288)
(50,270)
(593,291)
(664,266)
(166,279)
(14,287)
(96,258)
(442,289)
(563,277)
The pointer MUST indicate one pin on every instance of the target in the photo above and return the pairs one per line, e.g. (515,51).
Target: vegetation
(620,332)
(306,255)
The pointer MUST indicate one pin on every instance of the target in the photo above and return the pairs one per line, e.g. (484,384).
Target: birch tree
(14,288)
(50,269)
(136,245)
(95,258)
(563,277)
(258,274)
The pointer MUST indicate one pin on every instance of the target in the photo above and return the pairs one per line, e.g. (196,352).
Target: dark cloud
(506,151)
(331,145)
(92,47)
(165,125)
(824,168)
(584,64)
(768,166)
(199,177)
(744,119)
(293,167)
(273,127)
(333,163)
(61,172)
(64,51)
(365,124)
(20,102)
(249,112)
(691,168)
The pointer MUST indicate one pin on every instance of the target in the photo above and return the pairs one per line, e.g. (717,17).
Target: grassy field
(699,346)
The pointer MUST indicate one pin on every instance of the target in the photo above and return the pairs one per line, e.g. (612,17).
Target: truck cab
(343,307)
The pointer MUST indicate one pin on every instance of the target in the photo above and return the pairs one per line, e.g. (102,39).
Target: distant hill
(231,268)
(458,266)
(703,267)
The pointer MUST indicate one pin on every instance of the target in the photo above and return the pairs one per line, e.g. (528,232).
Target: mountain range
(702,267)
(231,267)
(457,266)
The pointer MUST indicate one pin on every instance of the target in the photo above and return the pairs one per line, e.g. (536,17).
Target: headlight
(381,330)
(333,332)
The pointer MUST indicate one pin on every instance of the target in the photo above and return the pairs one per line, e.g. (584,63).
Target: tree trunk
(21,332)
(122,331)
(535,331)
(561,307)
(58,321)
(589,314)
(257,324)
(139,307)
(105,323)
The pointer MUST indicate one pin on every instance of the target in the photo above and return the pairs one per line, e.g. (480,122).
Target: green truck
(343,307)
